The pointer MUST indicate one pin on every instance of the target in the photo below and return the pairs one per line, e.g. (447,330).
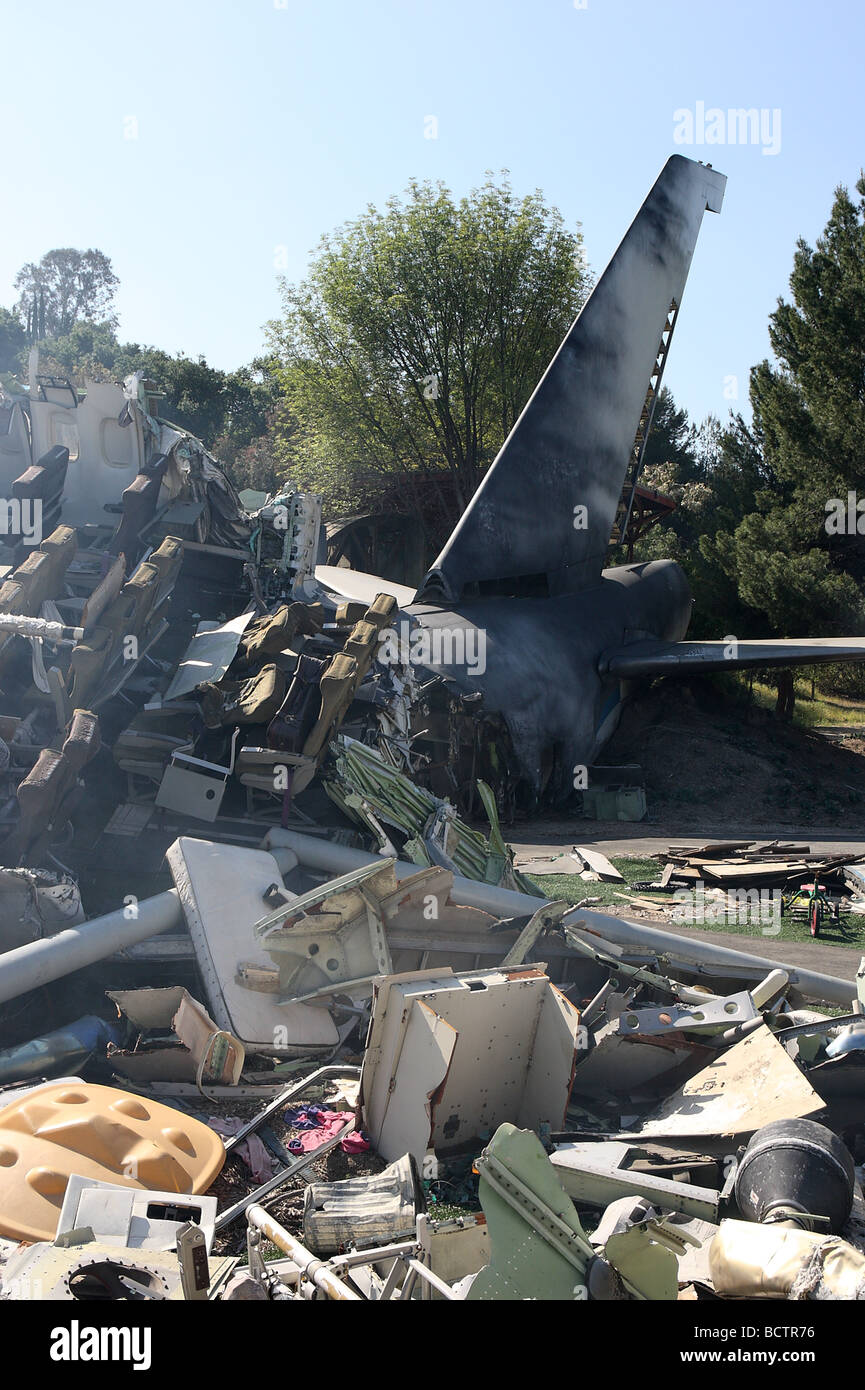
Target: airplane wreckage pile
(308,1005)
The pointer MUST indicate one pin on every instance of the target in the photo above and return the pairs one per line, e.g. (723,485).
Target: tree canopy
(62,289)
(419,335)
(753,502)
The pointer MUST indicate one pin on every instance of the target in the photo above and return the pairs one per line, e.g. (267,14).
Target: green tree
(711,474)
(671,442)
(63,288)
(751,524)
(809,422)
(419,335)
(13,341)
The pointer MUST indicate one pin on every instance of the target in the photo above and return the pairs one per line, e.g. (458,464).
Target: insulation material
(752,1261)
(362,1210)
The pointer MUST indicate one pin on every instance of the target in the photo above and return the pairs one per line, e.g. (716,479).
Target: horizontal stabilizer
(653,658)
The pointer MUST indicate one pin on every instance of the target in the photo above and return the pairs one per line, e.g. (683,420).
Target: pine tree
(790,562)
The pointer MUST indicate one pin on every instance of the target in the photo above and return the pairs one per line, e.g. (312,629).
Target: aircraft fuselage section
(535,661)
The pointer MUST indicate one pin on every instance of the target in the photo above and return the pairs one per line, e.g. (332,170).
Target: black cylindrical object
(793,1170)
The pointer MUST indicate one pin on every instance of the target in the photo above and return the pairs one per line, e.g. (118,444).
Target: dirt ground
(286,1204)
(709,762)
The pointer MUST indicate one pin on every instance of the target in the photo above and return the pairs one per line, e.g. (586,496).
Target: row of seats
(315,704)
(40,575)
(40,487)
(129,615)
(47,795)
(301,715)
(139,502)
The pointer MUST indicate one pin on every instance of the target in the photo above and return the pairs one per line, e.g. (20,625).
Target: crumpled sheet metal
(209,655)
(191,468)
(747,1260)
(36,903)
(751,1083)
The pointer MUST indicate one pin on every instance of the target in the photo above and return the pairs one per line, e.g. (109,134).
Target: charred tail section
(541,520)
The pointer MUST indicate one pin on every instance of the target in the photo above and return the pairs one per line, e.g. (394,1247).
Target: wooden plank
(645,903)
(714,848)
(686,874)
(753,872)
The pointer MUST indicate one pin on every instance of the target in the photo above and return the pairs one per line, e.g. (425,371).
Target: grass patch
(573,889)
(807,713)
(848,931)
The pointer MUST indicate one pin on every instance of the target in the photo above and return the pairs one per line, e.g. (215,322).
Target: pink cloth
(330,1122)
(355,1143)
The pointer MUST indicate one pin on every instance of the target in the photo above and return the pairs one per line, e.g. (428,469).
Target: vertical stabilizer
(542,517)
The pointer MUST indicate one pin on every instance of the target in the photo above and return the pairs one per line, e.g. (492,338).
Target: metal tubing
(326,857)
(314,1269)
(288,1093)
(230,1214)
(774,982)
(39,962)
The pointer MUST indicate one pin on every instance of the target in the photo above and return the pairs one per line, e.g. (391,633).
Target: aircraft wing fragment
(657,658)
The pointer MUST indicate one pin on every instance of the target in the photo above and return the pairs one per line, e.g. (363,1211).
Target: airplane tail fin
(542,517)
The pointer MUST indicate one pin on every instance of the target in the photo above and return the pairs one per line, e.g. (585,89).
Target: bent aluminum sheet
(751,1084)
(221,889)
(209,655)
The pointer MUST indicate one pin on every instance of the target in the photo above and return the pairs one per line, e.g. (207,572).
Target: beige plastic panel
(97,1132)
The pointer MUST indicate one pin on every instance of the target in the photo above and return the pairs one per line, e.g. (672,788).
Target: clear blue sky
(261,124)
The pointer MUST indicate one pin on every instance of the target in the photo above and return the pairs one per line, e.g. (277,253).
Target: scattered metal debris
(233,772)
